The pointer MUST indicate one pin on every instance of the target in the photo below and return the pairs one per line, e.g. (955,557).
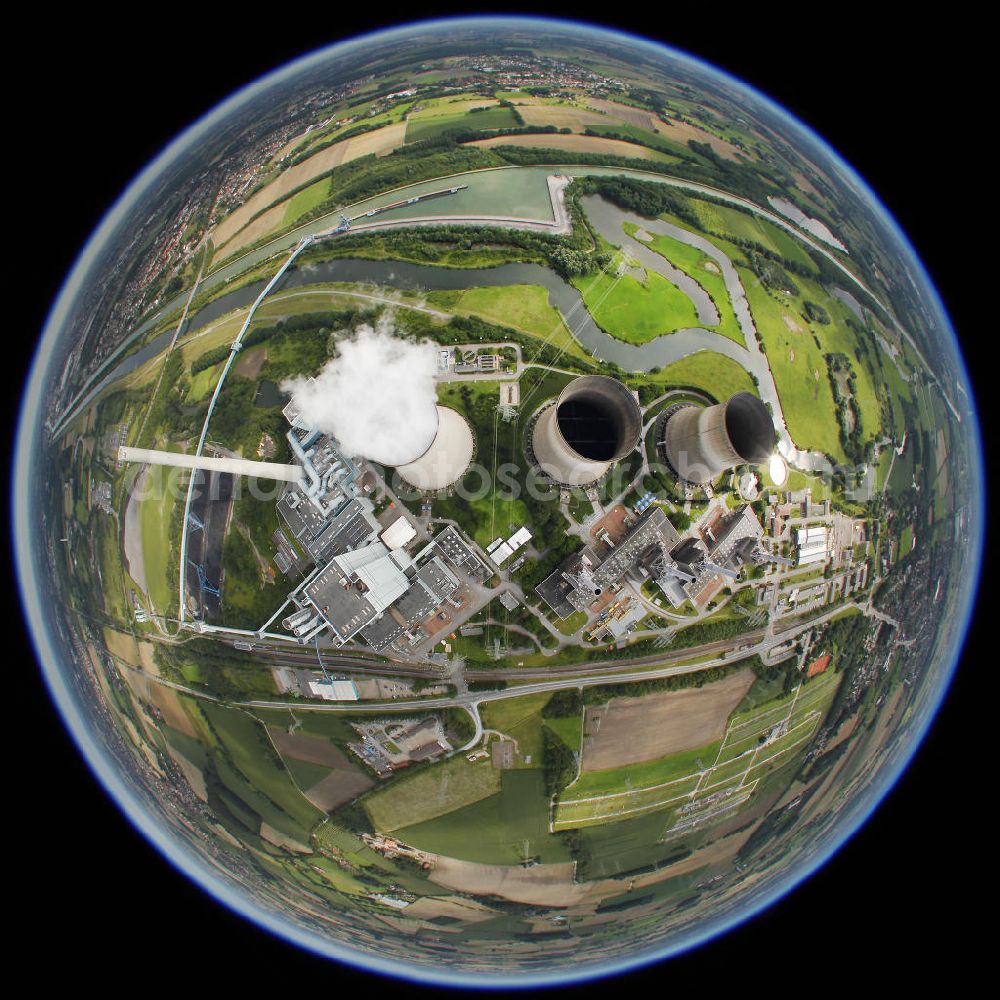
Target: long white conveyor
(234,466)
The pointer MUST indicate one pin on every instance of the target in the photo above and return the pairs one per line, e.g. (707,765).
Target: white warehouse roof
(501,553)
(351,562)
(519,537)
(812,544)
(334,690)
(398,533)
(385,582)
(807,556)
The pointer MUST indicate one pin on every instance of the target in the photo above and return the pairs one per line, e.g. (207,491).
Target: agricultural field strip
(692,822)
(752,739)
(597,816)
(612,810)
(791,711)
(673,781)
(698,789)
(764,722)
(807,700)
(809,719)
(810,722)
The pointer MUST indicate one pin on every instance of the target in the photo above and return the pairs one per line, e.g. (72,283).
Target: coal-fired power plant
(595,421)
(702,442)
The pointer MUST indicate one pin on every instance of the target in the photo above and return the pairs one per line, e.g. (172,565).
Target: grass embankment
(306,200)
(520,719)
(155,514)
(523,307)
(715,374)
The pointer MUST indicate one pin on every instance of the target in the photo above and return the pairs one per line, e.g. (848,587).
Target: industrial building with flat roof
(653,529)
(564,590)
(399,533)
(585,576)
(689,568)
(730,541)
(353,526)
(451,544)
(356,587)
(334,690)
(381,594)
(431,587)
(812,545)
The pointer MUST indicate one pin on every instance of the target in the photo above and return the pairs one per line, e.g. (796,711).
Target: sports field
(906,541)
(691,787)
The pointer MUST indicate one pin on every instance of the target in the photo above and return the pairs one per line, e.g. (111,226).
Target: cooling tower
(447,458)
(701,442)
(594,422)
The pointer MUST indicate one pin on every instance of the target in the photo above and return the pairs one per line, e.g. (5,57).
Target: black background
(903,101)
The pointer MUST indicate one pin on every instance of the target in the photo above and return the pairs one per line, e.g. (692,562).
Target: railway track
(356,664)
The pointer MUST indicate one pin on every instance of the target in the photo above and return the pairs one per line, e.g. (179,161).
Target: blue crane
(204,585)
(322,665)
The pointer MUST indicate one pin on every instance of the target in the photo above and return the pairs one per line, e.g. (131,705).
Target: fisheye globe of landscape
(498,502)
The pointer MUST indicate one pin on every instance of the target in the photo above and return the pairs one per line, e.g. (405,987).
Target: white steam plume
(377,397)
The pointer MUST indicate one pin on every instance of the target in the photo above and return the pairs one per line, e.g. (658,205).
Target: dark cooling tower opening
(589,429)
(750,428)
